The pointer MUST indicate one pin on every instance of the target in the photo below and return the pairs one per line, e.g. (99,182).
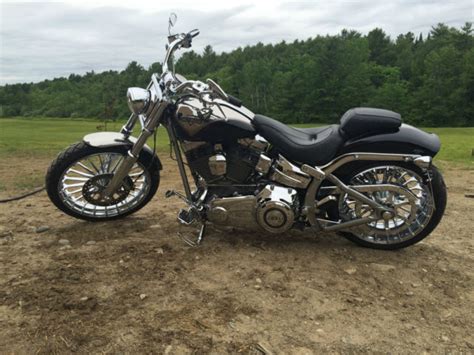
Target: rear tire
(73,154)
(439,195)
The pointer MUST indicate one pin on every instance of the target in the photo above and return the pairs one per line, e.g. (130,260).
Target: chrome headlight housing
(138,100)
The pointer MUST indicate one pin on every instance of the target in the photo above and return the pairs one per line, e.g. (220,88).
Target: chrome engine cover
(218,164)
(277,208)
(233,211)
(274,209)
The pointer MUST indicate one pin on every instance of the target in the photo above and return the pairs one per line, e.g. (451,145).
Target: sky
(47,39)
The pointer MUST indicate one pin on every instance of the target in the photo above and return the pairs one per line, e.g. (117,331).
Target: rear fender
(112,139)
(407,140)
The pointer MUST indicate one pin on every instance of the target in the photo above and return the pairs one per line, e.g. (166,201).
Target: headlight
(138,100)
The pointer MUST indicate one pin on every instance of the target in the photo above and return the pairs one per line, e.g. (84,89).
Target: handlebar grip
(188,38)
(193,33)
(234,101)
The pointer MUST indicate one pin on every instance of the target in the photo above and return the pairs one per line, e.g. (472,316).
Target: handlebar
(177,41)
(200,88)
(184,41)
(234,101)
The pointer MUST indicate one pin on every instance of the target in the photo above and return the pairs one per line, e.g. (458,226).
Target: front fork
(148,127)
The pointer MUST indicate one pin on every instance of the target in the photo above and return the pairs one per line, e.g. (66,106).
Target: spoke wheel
(83,182)
(412,207)
(77,178)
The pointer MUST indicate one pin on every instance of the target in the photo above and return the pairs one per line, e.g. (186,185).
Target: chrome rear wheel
(413,206)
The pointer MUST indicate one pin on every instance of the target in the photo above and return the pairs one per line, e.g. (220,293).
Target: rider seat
(315,146)
(318,146)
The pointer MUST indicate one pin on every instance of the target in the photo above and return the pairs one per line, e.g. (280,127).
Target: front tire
(78,173)
(439,198)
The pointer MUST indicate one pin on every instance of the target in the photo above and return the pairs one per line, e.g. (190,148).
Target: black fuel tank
(225,131)
(234,123)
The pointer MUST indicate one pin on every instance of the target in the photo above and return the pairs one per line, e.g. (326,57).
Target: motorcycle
(370,177)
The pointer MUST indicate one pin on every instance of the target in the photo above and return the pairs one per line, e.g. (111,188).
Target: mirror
(172,21)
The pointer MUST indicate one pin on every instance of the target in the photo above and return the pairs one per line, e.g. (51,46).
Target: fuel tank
(217,124)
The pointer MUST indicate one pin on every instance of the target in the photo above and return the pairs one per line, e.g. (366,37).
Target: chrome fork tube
(179,158)
(132,155)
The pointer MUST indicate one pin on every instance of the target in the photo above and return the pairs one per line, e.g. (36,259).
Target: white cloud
(42,40)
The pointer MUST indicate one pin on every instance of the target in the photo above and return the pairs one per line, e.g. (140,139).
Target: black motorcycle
(370,177)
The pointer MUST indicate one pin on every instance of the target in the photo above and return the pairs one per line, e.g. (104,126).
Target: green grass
(47,136)
(457,144)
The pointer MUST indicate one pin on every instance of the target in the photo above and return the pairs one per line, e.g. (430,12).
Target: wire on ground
(20,197)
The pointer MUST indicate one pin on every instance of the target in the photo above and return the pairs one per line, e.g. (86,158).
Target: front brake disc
(94,187)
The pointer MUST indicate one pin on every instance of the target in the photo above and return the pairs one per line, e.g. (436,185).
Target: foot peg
(188,216)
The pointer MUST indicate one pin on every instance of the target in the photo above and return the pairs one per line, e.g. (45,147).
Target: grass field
(45,137)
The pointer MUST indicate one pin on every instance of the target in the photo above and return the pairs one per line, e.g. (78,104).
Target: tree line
(430,81)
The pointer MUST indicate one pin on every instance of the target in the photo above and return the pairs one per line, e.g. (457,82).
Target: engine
(235,162)
(238,178)
(274,208)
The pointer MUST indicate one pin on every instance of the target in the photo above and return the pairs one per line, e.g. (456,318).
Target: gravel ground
(133,286)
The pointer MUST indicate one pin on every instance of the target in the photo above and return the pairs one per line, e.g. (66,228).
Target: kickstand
(198,241)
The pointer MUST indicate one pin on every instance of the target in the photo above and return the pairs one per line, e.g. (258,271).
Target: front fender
(112,139)
(407,140)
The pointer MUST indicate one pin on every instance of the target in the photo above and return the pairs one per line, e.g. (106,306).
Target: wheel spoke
(66,186)
(86,168)
(101,162)
(75,191)
(73,178)
(80,197)
(93,165)
(81,173)
(403,209)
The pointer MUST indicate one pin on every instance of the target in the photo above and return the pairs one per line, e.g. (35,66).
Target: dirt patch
(133,286)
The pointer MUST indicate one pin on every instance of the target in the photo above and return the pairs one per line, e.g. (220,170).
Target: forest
(429,80)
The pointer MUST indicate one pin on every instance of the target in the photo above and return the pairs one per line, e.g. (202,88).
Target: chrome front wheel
(77,178)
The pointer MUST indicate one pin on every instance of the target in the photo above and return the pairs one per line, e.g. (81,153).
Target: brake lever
(217,89)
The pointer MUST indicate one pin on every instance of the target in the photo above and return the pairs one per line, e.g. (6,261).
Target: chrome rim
(413,208)
(85,176)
